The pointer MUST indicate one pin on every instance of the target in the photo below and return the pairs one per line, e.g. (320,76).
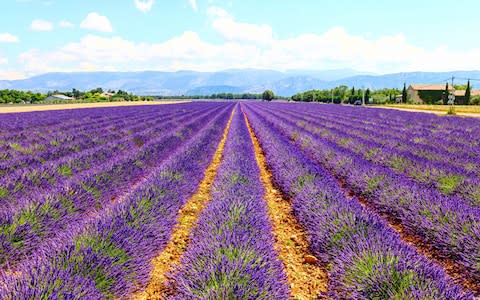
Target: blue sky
(39,36)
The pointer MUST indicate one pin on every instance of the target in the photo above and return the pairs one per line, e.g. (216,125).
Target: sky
(41,36)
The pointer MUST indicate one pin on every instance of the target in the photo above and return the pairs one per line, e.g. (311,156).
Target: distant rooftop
(429,87)
(63,97)
(441,87)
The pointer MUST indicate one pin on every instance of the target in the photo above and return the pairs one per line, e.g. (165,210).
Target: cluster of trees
(14,96)
(343,94)
(215,96)
(97,95)
(94,95)
(226,96)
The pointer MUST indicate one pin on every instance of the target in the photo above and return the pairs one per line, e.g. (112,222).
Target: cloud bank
(244,45)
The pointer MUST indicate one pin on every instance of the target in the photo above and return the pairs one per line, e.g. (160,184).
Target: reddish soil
(159,286)
(307,278)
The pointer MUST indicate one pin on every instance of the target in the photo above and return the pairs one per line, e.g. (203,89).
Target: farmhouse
(426,93)
(58,97)
(107,95)
(434,93)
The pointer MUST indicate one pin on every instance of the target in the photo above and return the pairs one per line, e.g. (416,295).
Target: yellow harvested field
(43,107)
(462,110)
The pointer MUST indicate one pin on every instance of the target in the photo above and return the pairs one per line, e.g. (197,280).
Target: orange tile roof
(429,87)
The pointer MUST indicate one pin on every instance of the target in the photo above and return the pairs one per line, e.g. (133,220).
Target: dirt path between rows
(170,256)
(307,278)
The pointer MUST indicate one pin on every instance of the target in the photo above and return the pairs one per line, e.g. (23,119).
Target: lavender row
(427,145)
(29,183)
(367,259)
(76,144)
(448,179)
(22,231)
(428,136)
(422,147)
(63,175)
(20,143)
(111,258)
(446,223)
(59,140)
(456,132)
(16,124)
(230,253)
(60,143)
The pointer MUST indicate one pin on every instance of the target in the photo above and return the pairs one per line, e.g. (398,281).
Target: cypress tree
(467,93)
(404,93)
(367,96)
(445,97)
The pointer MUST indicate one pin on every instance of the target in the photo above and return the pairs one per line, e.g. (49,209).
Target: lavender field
(246,200)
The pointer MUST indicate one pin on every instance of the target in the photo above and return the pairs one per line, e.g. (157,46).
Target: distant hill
(215,89)
(234,81)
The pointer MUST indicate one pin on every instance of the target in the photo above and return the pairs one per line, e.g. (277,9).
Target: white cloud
(8,38)
(224,24)
(144,5)
(41,25)
(193,4)
(96,22)
(249,46)
(3,60)
(65,24)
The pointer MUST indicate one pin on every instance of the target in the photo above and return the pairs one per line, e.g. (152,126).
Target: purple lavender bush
(231,254)
(110,257)
(367,259)
(445,222)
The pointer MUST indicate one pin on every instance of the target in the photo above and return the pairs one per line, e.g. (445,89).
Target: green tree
(467,93)
(404,93)
(98,90)
(352,95)
(367,96)
(445,94)
(76,93)
(268,95)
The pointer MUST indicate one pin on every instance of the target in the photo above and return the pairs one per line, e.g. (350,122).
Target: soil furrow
(170,256)
(307,278)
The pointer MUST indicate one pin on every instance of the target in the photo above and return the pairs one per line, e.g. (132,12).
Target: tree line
(99,95)
(95,95)
(339,94)
(344,94)
(14,96)
(229,96)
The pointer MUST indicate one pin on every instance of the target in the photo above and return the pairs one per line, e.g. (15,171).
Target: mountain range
(235,81)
